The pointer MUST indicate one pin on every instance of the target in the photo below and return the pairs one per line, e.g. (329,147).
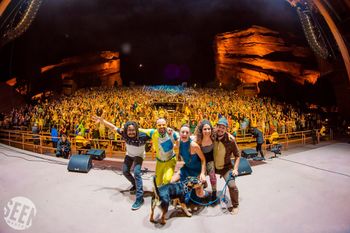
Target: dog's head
(193,182)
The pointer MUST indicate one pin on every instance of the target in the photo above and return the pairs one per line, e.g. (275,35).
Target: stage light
(126,48)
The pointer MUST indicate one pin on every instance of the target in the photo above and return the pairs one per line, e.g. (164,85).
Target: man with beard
(163,140)
(135,153)
(224,147)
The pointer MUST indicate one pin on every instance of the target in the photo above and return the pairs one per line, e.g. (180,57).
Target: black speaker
(249,153)
(276,149)
(80,163)
(244,167)
(96,154)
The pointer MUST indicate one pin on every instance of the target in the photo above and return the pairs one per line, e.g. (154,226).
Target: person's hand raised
(97,119)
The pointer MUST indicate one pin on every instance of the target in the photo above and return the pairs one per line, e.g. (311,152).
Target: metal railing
(42,143)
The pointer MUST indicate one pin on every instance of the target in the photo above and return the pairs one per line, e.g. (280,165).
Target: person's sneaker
(234,211)
(138,203)
(132,190)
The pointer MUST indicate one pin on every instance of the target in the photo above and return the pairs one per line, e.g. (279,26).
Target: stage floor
(305,190)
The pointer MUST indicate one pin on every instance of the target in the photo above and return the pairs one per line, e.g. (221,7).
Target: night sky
(159,33)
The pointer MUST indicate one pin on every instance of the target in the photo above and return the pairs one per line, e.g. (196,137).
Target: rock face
(259,54)
(9,98)
(103,68)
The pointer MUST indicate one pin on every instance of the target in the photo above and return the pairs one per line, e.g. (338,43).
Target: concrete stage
(305,190)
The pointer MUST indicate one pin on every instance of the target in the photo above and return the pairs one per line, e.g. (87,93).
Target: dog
(175,192)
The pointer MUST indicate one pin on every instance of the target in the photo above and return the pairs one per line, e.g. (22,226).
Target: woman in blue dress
(193,157)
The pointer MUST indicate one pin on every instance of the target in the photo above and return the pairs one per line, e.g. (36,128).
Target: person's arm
(148,132)
(175,134)
(237,155)
(200,154)
(59,147)
(67,147)
(106,123)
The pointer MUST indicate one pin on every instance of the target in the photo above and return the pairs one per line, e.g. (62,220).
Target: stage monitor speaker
(80,163)
(249,153)
(244,167)
(276,149)
(96,154)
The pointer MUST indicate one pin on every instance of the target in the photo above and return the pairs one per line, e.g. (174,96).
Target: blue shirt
(54,135)
(192,161)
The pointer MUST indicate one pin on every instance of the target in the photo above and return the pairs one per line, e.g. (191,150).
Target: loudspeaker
(244,167)
(249,153)
(276,149)
(96,154)
(80,163)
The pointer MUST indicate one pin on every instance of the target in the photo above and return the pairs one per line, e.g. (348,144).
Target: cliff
(258,54)
(104,65)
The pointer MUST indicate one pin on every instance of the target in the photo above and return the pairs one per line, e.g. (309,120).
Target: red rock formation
(251,55)
(9,98)
(104,65)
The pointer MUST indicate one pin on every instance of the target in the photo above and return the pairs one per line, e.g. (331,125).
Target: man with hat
(224,147)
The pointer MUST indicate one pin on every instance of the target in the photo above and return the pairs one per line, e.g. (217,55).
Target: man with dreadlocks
(135,153)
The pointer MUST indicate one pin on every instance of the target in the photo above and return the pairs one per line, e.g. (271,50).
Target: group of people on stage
(209,153)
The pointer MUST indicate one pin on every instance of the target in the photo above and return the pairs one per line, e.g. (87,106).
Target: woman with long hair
(205,139)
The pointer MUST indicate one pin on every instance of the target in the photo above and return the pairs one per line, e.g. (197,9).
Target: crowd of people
(72,114)
(140,114)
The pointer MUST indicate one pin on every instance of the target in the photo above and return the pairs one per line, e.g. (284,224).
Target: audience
(73,114)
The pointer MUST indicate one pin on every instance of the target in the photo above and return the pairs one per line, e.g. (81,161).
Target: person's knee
(232,185)
(137,170)
(126,170)
(166,179)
